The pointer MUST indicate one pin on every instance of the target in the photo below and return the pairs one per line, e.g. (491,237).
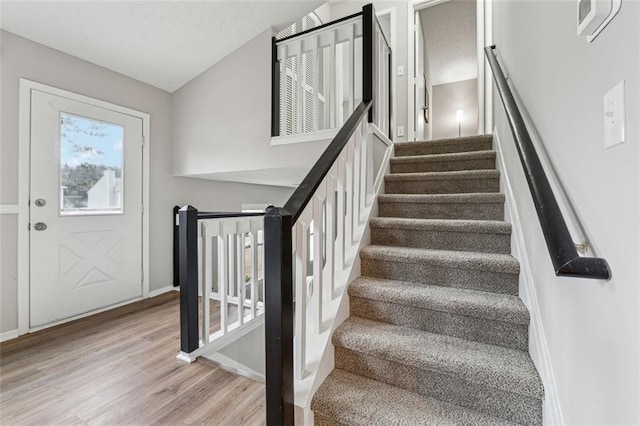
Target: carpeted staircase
(437,334)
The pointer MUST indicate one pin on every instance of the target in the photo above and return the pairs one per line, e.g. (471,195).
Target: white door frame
(483,38)
(24,184)
(391,12)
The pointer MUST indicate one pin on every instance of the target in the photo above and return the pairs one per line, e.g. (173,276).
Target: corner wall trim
(8,335)
(538,348)
(9,209)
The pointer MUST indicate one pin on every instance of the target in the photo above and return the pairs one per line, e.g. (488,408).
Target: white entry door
(85,208)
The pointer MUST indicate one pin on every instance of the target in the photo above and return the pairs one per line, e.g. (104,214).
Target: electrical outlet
(400,131)
(614,116)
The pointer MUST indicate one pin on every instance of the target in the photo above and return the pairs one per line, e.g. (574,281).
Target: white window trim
(24,176)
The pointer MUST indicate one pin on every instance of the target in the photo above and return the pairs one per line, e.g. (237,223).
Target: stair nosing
(448,141)
(448,175)
(459,198)
(340,333)
(449,156)
(453,260)
(347,407)
(470,226)
(522,318)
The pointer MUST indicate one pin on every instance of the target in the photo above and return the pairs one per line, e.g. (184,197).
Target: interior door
(85,208)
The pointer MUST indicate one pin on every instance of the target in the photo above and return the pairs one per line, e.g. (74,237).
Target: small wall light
(459,118)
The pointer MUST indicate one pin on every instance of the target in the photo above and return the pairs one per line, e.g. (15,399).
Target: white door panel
(86,188)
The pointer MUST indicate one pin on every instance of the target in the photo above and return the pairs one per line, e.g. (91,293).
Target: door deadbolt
(40,226)
(40,202)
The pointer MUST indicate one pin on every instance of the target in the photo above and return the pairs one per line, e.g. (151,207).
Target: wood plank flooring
(120,368)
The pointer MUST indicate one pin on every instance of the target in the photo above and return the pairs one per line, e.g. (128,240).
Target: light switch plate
(400,131)
(614,116)
(400,71)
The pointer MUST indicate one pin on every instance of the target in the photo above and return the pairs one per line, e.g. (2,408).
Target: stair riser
(473,211)
(438,274)
(442,166)
(442,240)
(432,186)
(418,148)
(499,333)
(507,405)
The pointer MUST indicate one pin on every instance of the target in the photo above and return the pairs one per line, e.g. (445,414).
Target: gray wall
(218,127)
(447,98)
(345,8)
(591,327)
(24,59)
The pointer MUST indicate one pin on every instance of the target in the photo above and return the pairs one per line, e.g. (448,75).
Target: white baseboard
(167,289)
(538,349)
(8,335)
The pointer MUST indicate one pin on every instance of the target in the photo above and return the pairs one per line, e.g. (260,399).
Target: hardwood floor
(120,367)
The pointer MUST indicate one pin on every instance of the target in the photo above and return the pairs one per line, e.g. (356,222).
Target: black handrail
(319,27)
(222,215)
(562,250)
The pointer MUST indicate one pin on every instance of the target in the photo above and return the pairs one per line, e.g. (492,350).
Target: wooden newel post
(188,267)
(278,316)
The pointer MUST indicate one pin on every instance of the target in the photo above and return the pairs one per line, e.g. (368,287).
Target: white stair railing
(319,78)
(229,278)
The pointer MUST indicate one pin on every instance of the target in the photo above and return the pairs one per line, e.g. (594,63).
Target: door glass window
(91,159)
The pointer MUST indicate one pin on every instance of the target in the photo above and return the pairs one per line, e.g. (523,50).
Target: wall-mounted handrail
(561,246)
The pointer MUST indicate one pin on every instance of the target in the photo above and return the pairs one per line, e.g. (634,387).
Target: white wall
(447,99)
(401,9)
(24,59)
(591,327)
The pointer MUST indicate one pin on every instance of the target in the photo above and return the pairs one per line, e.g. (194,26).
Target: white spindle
(300,335)
(222,279)
(318,282)
(240,274)
(207,252)
(254,270)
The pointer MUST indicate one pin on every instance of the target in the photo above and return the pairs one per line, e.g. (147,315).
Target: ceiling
(161,43)
(449,31)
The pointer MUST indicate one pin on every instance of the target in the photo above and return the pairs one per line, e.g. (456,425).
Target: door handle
(40,226)
(40,202)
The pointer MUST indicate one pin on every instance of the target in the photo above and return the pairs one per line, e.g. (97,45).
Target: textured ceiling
(162,43)
(449,31)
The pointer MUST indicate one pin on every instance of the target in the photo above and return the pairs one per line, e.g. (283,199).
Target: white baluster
(254,269)
(300,336)
(351,68)
(318,281)
(207,282)
(240,274)
(330,211)
(223,276)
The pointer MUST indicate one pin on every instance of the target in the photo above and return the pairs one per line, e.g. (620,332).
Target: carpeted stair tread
(350,399)
(478,206)
(478,304)
(448,225)
(442,146)
(490,262)
(486,236)
(493,366)
(446,176)
(471,198)
(476,160)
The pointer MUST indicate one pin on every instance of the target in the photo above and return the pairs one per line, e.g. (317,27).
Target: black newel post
(188,267)
(278,316)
